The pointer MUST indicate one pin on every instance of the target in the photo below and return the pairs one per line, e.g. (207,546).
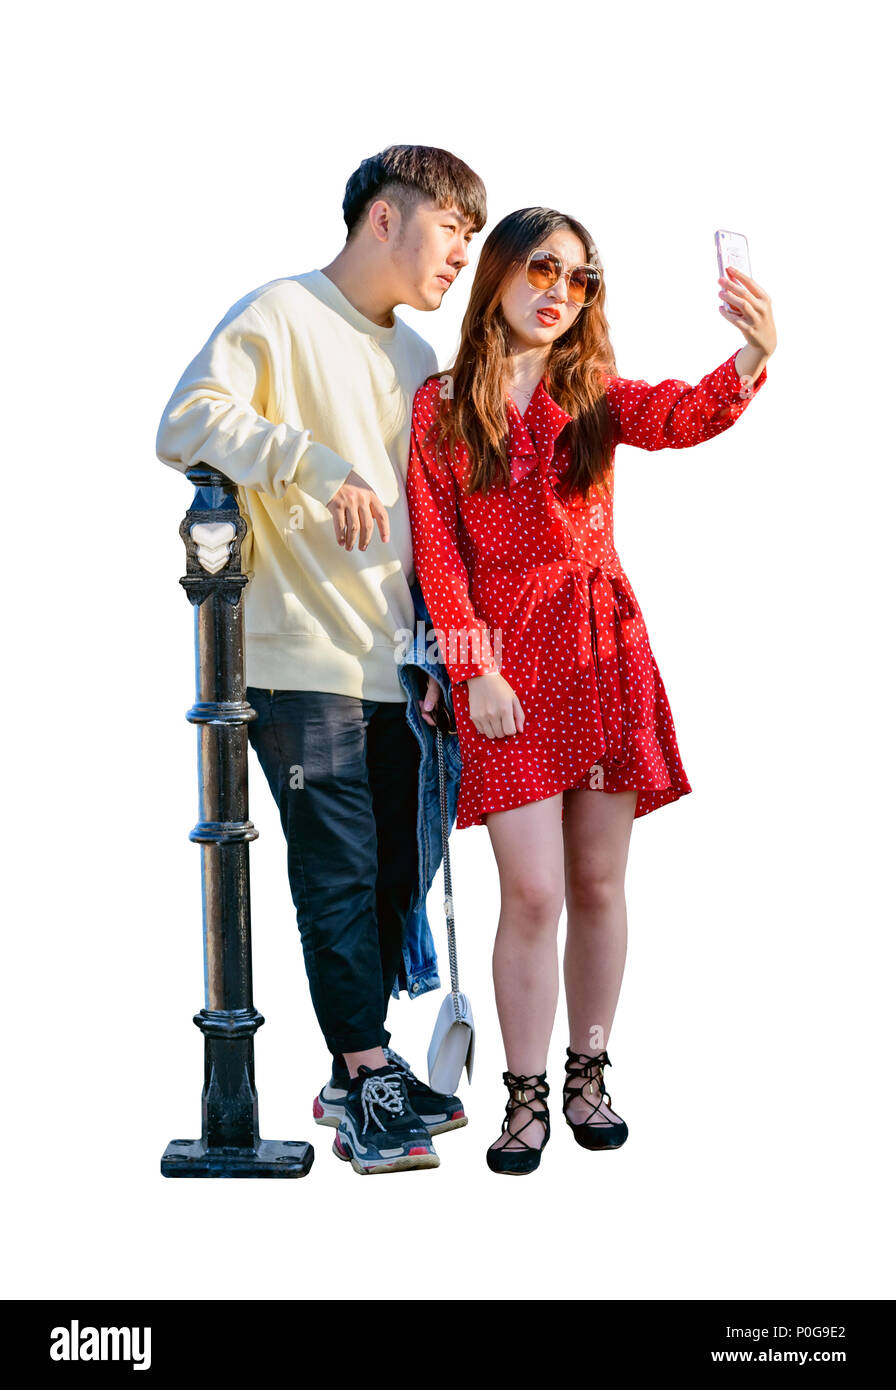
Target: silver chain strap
(446,865)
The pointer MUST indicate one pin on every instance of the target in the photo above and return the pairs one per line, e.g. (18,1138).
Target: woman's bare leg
(597,829)
(528,846)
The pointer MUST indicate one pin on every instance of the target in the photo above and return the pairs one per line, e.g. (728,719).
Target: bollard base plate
(273,1158)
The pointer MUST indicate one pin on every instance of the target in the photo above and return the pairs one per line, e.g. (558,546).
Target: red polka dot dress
(530,584)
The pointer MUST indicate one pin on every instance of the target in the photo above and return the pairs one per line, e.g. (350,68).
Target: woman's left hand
(748,305)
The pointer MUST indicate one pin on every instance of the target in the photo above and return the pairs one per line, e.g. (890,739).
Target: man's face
(430,250)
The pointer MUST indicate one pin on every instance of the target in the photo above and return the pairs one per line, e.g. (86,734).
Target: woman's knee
(593,888)
(533,901)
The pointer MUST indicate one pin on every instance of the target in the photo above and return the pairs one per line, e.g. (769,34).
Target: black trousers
(344,773)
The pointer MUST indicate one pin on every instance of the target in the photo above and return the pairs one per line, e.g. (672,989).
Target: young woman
(565,730)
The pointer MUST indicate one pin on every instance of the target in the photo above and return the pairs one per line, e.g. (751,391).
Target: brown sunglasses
(543,270)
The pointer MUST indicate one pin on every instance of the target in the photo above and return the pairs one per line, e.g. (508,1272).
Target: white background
(162,162)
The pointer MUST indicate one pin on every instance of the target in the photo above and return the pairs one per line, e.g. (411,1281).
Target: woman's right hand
(494,708)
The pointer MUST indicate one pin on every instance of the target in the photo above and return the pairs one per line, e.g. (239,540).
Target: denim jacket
(418,972)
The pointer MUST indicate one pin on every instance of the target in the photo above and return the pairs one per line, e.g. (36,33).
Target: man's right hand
(494,707)
(355,509)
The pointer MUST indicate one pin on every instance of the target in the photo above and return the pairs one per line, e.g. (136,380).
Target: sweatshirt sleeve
(674,415)
(464,640)
(216,416)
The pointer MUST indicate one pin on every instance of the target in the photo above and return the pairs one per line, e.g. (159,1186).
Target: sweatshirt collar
(324,289)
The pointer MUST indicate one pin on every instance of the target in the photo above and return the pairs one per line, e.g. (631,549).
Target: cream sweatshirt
(293,390)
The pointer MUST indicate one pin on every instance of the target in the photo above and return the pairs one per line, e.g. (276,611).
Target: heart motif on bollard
(213,541)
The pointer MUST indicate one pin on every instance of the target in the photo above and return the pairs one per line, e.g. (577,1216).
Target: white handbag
(454,1036)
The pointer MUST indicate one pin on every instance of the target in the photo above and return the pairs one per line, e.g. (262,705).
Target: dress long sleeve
(674,415)
(216,415)
(464,640)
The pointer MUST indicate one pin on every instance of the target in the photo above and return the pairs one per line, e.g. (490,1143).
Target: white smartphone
(732,249)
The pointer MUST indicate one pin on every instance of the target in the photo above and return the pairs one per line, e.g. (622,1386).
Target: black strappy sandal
(527,1157)
(582,1070)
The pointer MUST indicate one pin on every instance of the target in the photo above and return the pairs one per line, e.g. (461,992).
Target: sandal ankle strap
(577,1059)
(585,1067)
(519,1086)
(537,1083)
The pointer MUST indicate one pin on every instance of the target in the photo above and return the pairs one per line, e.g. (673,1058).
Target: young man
(302,396)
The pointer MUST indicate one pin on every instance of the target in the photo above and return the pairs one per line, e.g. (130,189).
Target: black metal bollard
(230,1146)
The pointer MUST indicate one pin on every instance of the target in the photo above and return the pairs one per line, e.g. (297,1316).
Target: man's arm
(216,416)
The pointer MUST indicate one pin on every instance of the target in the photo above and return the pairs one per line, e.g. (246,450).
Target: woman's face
(537,318)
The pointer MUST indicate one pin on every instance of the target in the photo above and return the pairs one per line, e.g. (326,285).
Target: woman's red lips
(549,315)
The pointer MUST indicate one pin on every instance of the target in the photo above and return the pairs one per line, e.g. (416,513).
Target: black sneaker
(379,1131)
(437,1111)
(329,1103)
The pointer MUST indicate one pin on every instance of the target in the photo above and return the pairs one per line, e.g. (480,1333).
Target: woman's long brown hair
(475,413)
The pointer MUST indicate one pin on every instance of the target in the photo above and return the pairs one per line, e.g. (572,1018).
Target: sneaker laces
(384,1092)
(399,1063)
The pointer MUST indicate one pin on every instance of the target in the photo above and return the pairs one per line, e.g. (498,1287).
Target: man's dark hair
(406,174)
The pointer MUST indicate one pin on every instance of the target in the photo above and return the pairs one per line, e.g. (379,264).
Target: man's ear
(384,218)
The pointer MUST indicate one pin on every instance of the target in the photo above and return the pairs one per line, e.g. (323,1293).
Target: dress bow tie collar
(533,435)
